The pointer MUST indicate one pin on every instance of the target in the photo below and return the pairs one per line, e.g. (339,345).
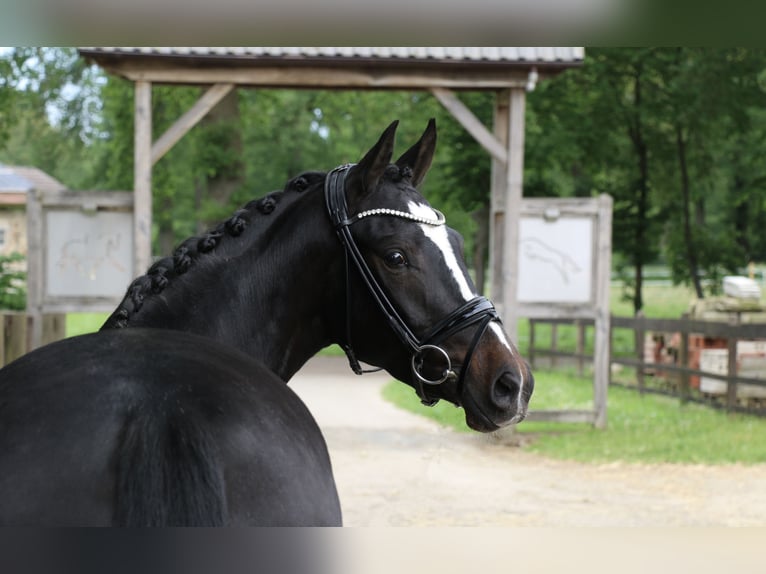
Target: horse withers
(177,411)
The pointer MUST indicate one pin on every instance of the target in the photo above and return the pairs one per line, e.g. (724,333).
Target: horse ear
(418,158)
(363,178)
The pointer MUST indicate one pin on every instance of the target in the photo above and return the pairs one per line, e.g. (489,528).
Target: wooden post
(639,337)
(684,386)
(15,333)
(497,203)
(54,327)
(35,266)
(580,347)
(731,372)
(531,350)
(601,337)
(514,175)
(142,202)
(188,120)
(554,344)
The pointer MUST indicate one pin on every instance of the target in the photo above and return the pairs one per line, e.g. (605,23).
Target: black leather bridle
(478,311)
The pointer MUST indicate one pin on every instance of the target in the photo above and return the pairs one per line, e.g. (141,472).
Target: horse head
(447,340)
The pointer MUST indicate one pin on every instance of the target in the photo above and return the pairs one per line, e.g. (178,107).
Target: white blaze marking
(438,234)
(500,334)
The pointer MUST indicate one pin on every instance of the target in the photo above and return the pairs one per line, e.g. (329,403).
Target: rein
(478,310)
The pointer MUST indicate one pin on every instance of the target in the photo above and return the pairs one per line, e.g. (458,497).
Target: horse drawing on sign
(177,411)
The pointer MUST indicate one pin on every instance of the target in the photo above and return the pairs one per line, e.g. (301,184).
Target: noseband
(478,311)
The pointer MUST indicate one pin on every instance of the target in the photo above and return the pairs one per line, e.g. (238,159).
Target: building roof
(474,68)
(487,55)
(16,181)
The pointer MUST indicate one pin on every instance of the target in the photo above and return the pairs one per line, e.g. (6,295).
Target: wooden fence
(16,333)
(680,373)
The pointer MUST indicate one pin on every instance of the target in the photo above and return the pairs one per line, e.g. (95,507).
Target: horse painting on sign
(177,411)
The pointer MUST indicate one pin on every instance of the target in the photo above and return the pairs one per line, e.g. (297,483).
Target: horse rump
(168,471)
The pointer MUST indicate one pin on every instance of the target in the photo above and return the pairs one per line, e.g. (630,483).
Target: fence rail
(16,333)
(676,377)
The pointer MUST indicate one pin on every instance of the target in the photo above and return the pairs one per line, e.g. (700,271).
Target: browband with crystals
(440,219)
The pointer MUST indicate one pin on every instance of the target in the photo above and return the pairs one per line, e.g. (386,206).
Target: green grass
(648,429)
(81,323)
(660,301)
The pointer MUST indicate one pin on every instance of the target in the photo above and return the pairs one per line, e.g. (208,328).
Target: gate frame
(597,309)
(39,203)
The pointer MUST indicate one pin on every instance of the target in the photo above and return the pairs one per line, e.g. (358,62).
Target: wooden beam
(35,266)
(190,119)
(142,180)
(514,173)
(602,329)
(470,122)
(497,202)
(326,77)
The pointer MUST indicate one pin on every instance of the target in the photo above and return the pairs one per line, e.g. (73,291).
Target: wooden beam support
(35,266)
(142,180)
(471,123)
(514,177)
(325,77)
(190,119)
(497,202)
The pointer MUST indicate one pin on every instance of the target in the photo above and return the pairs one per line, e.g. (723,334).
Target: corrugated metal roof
(517,55)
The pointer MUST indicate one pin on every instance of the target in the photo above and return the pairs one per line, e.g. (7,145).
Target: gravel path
(394,468)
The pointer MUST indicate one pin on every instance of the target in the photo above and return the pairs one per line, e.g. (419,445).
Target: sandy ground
(394,468)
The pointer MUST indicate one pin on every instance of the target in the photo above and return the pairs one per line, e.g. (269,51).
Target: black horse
(177,413)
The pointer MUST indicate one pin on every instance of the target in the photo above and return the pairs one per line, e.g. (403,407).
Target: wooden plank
(542,311)
(731,371)
(514,172)
(35,265)
(554,344)
(111,200)
(142,206)
(189,119)
(471,123)
(705,328)
(497,203)
(537,206)
(638,342)
(685,386)
(580,347)
(54,327)
(16,343)
(629,362)
(602,329)
(331,77)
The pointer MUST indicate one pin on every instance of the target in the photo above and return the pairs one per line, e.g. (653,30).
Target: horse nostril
(505,391)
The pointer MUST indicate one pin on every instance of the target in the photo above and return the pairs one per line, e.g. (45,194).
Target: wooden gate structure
(565,260)
(80,254)
(508,72)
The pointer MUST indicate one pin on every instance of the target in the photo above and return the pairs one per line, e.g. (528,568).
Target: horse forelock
(191,250)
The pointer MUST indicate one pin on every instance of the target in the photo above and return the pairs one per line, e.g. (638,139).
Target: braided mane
(163,271)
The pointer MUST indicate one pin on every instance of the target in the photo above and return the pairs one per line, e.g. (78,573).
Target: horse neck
(274,292)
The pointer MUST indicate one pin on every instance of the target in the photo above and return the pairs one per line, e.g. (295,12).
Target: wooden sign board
(564,272)
(556,260)
(80,252)
(88,255)
(564,257)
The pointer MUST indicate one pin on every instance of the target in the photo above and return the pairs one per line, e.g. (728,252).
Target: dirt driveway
(397,469)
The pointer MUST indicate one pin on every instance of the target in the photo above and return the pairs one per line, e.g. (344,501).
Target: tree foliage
(674,135)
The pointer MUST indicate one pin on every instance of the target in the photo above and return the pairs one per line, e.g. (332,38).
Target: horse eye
(395,259)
